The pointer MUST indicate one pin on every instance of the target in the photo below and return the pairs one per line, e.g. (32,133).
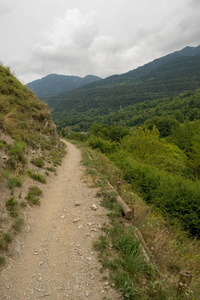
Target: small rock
(40,279)
(77,203)
(62,217)
(76,220)
(94,207)
(89,224)
(94,229)
(87,293)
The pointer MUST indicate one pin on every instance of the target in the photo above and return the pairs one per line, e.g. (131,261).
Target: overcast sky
(99,37)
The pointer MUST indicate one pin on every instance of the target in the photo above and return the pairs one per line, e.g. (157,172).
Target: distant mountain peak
(55,84)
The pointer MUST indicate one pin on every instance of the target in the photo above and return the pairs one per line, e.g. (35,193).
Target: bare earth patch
(53,257)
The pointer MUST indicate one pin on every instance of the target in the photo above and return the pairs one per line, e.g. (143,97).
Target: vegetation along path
(53,257)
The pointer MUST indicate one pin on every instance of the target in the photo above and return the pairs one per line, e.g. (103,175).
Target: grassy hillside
(29,150)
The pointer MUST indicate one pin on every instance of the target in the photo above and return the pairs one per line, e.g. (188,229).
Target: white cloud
(103,38)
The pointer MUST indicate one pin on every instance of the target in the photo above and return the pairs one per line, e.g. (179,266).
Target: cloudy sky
(99,37)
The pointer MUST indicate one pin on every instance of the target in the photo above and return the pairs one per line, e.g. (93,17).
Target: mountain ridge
(55,83)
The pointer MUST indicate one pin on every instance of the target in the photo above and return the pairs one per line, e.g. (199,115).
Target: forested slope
(108,96)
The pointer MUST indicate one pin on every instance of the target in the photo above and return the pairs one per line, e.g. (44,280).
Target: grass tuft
(33,194)
(17,224)
(37,176)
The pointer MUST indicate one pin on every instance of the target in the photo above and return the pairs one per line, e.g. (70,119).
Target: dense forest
(53,84)
(110,100)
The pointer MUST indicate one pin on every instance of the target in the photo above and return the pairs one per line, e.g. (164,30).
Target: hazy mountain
(164,77)
(54,84)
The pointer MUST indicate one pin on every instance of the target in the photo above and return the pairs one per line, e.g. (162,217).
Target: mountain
(162,78)
(54,84)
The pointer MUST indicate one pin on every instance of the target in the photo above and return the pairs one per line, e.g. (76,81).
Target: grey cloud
(4,8)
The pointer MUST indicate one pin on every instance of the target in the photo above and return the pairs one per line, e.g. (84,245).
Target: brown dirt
(52,258)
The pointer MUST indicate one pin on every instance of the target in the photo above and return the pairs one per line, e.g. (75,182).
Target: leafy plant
(37,176)
(18,150)
(11,206)
(38,162)
(33,194)
(5,239)
(14,182)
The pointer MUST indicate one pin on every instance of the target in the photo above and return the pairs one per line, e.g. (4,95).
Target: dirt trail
(53,257)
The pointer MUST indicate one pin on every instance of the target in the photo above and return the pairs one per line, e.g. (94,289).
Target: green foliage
(3,144)
(187,139)
(33,194)
(164,124)
(113,100)
(38,162)
(77,136)
(104,146)
(54,84)
(5,240)
(17,150)
(12,207)
(37,176)
(51,169)
(145,145)
(174,195)
(101,244)
(112,133)
(158,170)
(14,182)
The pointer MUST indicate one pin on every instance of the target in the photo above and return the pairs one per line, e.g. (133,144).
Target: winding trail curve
(53,257)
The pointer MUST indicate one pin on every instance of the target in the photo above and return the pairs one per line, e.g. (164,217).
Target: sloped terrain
(164,77)
(54,84)
(29,151)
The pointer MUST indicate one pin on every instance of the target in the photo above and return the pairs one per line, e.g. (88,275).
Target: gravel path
(53,257)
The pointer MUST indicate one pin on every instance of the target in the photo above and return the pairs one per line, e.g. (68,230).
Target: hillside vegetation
(165,171)
(161,79)
(54,84)
(29,150)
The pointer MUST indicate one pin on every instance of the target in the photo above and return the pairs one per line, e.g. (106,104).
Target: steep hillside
(165,77)
(54,84)
(29,150)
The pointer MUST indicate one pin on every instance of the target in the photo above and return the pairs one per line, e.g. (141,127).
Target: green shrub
(5,239)
(2,142)
(77,136)
(37,176)
(11,163)
(174,195)
(14,182)
(103,145)
(18,150)
(11,206)
(51,169)
(33,194)
(38,162)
